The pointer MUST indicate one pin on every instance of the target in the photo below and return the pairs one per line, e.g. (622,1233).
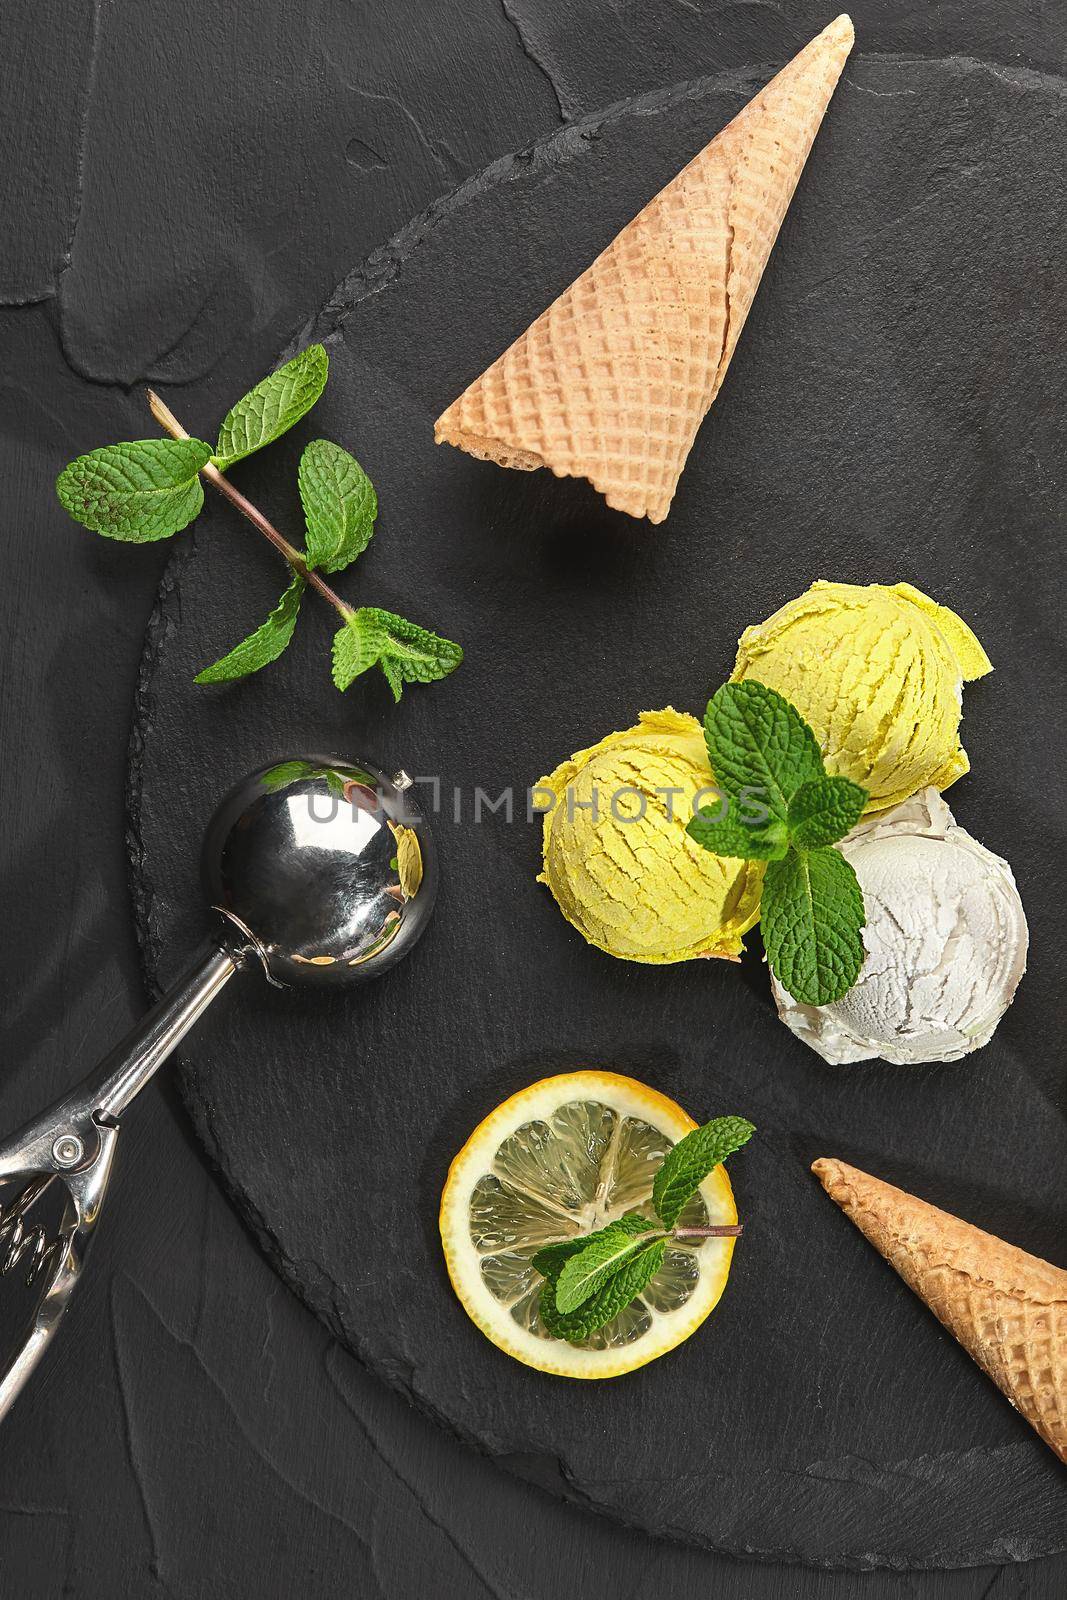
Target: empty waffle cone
(1008,1309)
(612,382)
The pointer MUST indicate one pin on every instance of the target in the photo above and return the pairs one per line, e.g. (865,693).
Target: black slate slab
(892,413)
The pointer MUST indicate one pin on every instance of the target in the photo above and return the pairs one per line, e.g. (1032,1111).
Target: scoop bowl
(325,867)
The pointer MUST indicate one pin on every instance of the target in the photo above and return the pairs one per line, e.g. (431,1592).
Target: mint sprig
(150,489)
(590,1279)
(811,911)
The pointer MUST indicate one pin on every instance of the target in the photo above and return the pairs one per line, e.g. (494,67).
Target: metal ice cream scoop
(320,872)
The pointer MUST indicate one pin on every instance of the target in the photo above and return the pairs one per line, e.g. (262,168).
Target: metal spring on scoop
(18,1242)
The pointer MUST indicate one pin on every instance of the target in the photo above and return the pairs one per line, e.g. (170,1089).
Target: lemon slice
(556,1160)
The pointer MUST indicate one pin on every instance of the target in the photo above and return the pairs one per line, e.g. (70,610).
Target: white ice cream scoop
(946,942)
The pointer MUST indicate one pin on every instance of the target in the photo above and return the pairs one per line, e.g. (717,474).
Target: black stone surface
(892,413)
(195,1432)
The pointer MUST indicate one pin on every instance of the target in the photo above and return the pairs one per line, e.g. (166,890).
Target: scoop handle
(124,1072)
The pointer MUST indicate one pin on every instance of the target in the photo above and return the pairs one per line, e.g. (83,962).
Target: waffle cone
(612,382)
(1007,1308)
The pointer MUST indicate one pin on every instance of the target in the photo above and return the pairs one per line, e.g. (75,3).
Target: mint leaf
(756,740)
(589,1269)
(743,840)
(356,647)
(405,652)
(412,654)
(687,1165)
(287,772)
(261,647)
(811,916)
(272,407)
(614,1296)
(339,505)
(551,1258)
(824,810)
(601,1255)
(142,490)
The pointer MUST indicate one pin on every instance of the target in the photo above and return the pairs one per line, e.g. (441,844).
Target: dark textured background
(185,186)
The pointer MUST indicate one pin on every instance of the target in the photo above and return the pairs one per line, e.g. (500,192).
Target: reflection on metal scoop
(321,871)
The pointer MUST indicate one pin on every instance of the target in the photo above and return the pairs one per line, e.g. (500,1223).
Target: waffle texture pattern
(612,382)
(1007,1308)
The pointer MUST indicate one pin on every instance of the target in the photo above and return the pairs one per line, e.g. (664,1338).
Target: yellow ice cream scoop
(618,860)
(878,671)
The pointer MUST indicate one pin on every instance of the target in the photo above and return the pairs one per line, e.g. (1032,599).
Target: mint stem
(218,480)
(719,1230)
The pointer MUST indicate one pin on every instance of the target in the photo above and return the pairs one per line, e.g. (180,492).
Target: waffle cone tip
(1007,1308)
